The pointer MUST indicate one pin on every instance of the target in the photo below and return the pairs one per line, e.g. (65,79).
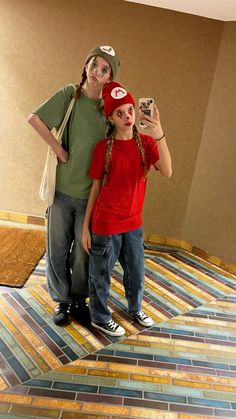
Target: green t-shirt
(86,126)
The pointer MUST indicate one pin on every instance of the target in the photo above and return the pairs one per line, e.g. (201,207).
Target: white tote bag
(48,181)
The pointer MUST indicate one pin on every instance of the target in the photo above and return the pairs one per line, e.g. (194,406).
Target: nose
(97,71)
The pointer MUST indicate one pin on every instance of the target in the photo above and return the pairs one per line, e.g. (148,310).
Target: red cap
(114,95)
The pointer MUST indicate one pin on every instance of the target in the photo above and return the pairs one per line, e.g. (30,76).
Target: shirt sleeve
(96,170)
(151,151)
(53,110)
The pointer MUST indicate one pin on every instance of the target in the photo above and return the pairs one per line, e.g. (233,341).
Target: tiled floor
(183,367)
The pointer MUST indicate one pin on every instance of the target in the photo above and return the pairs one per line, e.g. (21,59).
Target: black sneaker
(61,315)
(80,312)
(143,319)
(110,328)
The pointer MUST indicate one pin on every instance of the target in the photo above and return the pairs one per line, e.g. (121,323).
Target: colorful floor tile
(182,367)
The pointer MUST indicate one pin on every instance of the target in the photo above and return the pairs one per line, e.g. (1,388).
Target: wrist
(160,137)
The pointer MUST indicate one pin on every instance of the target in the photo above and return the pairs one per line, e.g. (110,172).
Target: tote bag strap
(66,117)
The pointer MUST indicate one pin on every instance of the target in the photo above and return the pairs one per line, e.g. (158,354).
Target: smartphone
(146,106)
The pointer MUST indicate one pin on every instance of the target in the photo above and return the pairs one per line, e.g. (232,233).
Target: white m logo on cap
(118,93)
(109,50)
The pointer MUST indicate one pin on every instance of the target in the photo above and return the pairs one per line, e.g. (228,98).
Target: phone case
(146,106)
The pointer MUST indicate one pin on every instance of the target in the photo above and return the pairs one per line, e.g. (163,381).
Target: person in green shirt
(66,260)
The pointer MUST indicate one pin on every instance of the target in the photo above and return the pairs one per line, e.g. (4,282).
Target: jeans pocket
(98,250)
(99,245)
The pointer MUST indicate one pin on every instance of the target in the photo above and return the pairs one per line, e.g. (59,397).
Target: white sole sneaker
(143,319)
(110,328)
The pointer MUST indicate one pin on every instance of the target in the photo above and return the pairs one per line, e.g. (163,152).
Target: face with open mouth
(124,118)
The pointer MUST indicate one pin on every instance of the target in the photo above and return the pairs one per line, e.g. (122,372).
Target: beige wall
(168,55)
(211,212)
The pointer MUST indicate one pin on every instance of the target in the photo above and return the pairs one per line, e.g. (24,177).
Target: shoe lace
(142,315)
(63,307)
(111,324)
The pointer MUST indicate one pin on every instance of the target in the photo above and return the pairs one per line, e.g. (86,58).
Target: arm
(42,129)
(86,237)
(164,164)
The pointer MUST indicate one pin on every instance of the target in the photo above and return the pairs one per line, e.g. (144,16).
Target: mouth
(128,124)
(94,78)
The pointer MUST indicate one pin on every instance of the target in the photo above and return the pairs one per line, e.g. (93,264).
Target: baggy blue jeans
(66,260)
(105,250)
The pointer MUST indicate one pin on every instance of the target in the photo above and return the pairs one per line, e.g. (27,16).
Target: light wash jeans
(66,260)
(105,250)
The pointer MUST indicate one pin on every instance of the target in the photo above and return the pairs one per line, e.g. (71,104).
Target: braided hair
(79,87)
(141,149)
(110,141)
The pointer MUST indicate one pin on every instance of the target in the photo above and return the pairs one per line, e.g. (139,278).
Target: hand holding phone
(146,106)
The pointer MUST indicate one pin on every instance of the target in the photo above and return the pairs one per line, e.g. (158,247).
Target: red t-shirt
(118,208)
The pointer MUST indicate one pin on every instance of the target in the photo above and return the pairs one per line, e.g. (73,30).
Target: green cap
(109,54)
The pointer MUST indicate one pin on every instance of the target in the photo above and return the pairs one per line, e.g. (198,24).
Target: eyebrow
(104,65)
(122,111)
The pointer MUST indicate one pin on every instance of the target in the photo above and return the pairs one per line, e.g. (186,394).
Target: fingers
(89,243)
(86,248)
(62,160)
(155,112)
(148,120)
(86,242)
(151,121)
(63,156)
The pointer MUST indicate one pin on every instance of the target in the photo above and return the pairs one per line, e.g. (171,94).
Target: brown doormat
(20,251)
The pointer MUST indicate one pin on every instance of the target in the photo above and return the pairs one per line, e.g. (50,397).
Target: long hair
(141,149)
(79,87)
(110,141)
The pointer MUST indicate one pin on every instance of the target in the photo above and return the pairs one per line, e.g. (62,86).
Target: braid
(110,142)
(141,149)
(110,128)
(79,87)
(101,107)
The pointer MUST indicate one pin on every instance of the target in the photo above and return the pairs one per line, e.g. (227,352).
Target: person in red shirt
(119,169)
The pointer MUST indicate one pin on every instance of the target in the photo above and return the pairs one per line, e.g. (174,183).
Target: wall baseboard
(22,218)
(185,245)
(149,238)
